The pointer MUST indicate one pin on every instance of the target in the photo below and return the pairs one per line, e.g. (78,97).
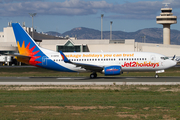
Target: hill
(153,35)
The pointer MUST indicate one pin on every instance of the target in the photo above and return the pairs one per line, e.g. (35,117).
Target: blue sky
(64,15)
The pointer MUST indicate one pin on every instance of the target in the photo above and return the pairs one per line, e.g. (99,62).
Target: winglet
(173,57)
(64,57)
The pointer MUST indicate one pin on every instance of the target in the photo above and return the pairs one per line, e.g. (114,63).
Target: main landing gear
(93,75)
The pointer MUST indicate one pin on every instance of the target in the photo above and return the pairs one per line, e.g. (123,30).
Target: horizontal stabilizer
(18,55)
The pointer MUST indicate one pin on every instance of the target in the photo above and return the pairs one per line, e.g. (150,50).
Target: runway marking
(130,78)
(22,77)
(64,78)
(73,78)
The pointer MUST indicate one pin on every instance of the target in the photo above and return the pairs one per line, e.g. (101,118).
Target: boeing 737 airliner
(107,63)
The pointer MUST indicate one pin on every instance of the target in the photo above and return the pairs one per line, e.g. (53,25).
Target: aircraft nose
(173,63)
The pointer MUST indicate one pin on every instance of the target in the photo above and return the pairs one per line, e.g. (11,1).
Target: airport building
(56,43)
(166,18)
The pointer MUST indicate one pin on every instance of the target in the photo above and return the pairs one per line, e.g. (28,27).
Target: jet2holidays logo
(137,64)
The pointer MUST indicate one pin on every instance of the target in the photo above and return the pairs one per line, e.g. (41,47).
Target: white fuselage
(129,61)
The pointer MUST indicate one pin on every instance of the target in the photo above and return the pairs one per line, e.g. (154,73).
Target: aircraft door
(44,61)
(162,63)
(153,59)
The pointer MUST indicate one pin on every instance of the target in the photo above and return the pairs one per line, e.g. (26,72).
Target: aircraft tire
(93,75)
(156,76)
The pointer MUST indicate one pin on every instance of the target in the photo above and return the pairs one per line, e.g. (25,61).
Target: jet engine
(112,70)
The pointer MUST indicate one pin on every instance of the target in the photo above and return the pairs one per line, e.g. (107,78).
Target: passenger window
(129,58)
(142,58)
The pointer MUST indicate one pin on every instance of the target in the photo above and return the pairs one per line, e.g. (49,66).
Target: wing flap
(89,67)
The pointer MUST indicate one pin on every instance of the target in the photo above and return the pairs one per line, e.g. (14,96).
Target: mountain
(83,33)
(152,35)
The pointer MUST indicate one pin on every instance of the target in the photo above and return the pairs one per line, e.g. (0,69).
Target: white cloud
(136,10)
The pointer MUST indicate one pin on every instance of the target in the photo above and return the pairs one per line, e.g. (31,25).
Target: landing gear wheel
(93,75)
(156,76)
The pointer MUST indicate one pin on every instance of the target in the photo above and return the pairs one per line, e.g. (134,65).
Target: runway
(88,81)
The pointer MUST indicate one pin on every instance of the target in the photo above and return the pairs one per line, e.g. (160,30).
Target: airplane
(107,63)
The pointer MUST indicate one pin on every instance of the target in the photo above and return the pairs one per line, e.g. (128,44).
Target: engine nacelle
(112,70)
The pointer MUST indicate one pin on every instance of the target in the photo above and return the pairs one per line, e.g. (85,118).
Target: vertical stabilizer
(27,46)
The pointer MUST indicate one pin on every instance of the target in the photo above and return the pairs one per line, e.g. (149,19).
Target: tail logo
(62,57)
(29,52)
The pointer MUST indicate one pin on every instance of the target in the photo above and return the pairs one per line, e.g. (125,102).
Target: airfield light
(32,15)
(111,22)
(102,15)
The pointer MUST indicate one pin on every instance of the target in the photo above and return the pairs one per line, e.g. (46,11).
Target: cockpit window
(164,58)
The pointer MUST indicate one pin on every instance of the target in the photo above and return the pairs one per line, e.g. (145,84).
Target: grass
(109,102)
(123,102)
(40,72)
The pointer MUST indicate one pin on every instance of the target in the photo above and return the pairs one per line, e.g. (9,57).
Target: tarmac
(88,81)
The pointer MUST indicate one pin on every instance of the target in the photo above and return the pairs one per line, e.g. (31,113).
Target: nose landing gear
(156,76)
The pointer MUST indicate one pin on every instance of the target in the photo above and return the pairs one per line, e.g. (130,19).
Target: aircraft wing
(90,67)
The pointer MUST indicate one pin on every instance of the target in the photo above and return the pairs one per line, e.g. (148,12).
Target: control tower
(166,18)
